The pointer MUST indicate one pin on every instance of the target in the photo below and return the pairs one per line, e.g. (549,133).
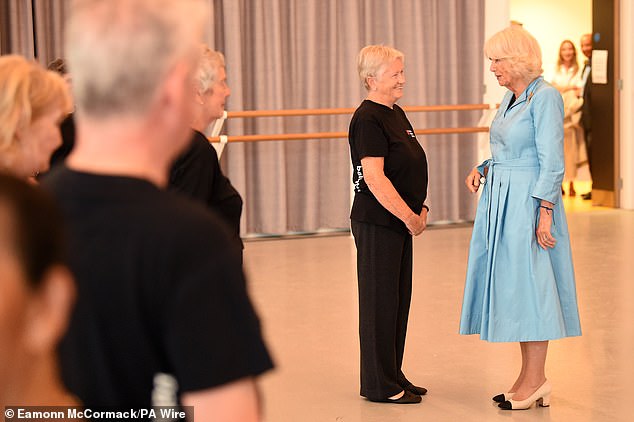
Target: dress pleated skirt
(515,290)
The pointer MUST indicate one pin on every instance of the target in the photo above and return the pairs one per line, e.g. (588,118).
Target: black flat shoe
(406,398)
(420,391)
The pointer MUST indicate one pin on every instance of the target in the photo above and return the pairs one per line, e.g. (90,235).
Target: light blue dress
(515,290)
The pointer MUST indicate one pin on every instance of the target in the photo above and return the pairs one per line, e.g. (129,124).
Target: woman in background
(33,102)
(390,180)
(566,77)
(520,284)
(197,173)
(567,80)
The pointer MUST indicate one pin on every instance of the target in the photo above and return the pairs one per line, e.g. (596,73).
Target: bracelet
(426,207)
(546,208)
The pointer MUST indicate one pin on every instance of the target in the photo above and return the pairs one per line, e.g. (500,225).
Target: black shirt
(379,131)
(160,289)
(197,174)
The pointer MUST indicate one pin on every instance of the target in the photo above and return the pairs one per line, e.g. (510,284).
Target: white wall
(496,18)
(627,104)
(551,22)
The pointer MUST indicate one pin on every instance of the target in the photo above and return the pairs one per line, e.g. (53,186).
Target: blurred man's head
(586,45)
(120,51)
(134,59)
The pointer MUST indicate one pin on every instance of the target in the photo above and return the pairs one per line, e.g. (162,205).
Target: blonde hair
(208,66)
(27,91)
(120,51)
(521,50)
(560,60)
(373,59)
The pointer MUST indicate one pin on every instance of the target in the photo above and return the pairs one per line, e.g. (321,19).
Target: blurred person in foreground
(390,180)
(37,297)
(33,102)
(197,172)
(160,289)
(520,283)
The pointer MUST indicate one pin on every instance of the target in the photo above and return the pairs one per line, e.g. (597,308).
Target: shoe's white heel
(544,401)
(541,397)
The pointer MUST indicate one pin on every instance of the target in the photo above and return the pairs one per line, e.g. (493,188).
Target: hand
(544,238)
(416,223)
(473,180)
(423,216)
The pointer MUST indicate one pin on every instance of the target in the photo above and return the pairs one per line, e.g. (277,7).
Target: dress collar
(527,95)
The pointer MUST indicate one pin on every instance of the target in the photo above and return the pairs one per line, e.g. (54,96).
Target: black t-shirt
(197,174)
(379,131)
(160,289)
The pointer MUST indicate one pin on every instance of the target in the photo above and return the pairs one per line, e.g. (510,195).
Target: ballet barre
(336,111)
(222,140)
(336,135)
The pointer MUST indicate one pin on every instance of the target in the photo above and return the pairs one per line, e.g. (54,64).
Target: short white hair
(119,51)
(373,59)
(208,66)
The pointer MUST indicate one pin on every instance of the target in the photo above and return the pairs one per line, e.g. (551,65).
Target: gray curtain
(33,28)
(301,54)
(16,28)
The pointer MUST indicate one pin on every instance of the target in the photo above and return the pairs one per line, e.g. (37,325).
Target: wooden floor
(305,291)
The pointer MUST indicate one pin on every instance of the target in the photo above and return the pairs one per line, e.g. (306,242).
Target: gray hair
(119,51)
(210,62)
(373,59)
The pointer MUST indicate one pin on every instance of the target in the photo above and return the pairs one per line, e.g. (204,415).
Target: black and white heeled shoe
(541,397)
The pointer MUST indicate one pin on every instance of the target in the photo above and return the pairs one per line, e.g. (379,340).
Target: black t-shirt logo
(410,133)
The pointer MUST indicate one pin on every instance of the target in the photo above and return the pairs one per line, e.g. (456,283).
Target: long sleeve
(548,117)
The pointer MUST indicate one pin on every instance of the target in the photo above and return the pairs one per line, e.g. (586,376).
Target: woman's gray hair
(373,59)
(210,63)
(119,51)
(520,48)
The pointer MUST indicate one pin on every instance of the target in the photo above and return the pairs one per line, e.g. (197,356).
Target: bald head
(586,45)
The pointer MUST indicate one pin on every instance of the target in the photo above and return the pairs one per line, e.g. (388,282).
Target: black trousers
(384,270)
(588,139)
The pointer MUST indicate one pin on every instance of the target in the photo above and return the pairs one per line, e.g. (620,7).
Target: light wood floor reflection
(305,291)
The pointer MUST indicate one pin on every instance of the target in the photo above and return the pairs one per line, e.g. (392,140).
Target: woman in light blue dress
(520,284)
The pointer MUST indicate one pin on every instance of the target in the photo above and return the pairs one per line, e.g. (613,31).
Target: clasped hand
(416,223)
